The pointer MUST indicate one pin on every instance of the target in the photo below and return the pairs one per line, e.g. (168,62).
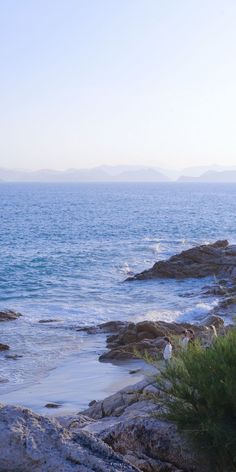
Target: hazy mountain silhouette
(96,174)
(121,173)
(212,176)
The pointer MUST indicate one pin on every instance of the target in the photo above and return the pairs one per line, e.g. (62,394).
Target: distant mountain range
(212,176)
(97,174)
(122,174)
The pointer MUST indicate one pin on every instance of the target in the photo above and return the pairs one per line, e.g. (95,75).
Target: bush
(201,398)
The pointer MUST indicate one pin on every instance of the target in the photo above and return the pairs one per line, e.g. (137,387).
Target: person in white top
(213,331)
(167,352)
(185,340)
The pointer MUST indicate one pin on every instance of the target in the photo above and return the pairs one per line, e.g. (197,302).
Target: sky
(138,82)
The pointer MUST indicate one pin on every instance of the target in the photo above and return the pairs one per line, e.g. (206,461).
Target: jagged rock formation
(33,443)
(217,259)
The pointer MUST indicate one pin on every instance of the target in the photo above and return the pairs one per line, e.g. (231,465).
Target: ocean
(66,250)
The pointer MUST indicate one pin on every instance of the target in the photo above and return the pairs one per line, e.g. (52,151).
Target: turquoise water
(67,248)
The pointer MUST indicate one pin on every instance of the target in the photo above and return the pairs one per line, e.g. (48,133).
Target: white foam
(198,312)
(156,248)
(157,315)
(126,269)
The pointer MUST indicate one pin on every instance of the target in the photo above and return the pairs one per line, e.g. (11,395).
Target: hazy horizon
(167,167)
(136,82)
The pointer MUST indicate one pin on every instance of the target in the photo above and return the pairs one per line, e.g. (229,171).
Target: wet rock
(4,347)
(49,321)
(108,327)
(217,290)
(228,301)
(29,442)
(14,357)
(52,405)
(226,306)
(217,259)
(8,315)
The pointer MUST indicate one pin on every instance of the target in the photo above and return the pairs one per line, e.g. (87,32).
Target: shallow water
(67,248)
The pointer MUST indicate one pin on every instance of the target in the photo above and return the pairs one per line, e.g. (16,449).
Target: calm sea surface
(67,248)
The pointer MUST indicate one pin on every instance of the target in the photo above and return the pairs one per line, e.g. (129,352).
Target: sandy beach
(77,381)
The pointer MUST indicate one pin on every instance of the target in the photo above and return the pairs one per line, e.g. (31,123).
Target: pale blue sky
(89,82)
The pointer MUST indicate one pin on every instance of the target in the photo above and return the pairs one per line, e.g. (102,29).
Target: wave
(157,315)
(156,248)
(126,269)
(198,312)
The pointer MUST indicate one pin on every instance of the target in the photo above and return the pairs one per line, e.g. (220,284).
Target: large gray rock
(151,444)
(128,422)
(33,443)
(116,404)
(209,259)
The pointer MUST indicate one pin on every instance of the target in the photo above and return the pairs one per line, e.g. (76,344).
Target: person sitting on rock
(167,352)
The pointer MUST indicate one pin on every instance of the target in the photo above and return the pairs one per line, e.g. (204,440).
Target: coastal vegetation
(200,386)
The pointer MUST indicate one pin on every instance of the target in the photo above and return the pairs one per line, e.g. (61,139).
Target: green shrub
(201,398)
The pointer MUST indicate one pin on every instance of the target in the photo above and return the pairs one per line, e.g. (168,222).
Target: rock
(152,445)
(52,405)
(135,350)
(115,404)
(218,259)
(226,306)
(29,442)
(50,321)
(217,290)
(215,321)
(108,327)
(4,347)
(228,301)
(13,356)
(93,402)
(128,422)
(74,422)
(8,315)
(133,341)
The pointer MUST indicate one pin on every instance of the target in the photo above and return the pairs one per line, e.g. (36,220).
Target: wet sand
(80,379)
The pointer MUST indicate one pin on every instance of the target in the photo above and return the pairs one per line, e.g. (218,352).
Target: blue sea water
(67,248)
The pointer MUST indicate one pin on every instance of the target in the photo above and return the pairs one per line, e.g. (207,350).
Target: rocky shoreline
(217,259)
(122,432)
(127,340)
